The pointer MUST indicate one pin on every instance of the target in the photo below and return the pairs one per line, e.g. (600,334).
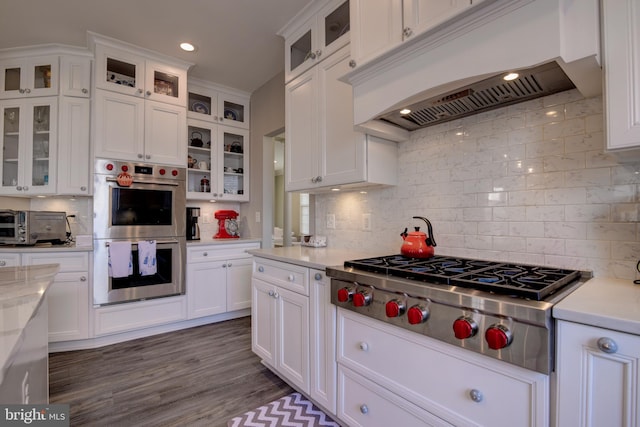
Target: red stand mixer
(227,225)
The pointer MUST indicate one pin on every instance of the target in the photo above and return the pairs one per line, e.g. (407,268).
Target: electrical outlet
(206,218)
(366,222)
(331,221)
(258,216)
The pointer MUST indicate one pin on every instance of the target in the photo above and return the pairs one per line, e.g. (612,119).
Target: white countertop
(22,290)
(43,247)
(210,241)
(607,303)
(306,256)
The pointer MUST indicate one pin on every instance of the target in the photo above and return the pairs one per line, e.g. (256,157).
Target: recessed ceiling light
(405,111)
(188,47)
(511,76)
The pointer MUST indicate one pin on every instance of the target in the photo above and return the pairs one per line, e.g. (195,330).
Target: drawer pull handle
(607,345)
(318,276)
(476,395)
(261,269)
(364,346)
(291,277)
(364,409)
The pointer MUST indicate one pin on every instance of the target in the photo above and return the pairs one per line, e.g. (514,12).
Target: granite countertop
(305,256)
(607,303)
(22,290)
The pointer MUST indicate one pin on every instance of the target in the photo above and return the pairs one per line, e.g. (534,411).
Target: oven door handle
(173,184)
(158,242)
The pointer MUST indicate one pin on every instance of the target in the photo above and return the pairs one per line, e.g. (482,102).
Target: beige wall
(267,119)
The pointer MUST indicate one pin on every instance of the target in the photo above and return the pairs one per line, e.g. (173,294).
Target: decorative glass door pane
(336,24)
(233,111)
(42,76)
(121,73)
(40,149)
(165,84)
(12,79)
(200,104)
(233,163)
(301,50)
(10,146)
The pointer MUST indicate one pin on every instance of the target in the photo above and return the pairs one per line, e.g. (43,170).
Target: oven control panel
(139,170)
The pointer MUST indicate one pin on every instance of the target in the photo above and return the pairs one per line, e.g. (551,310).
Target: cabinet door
(119,71)
(597,385)
(73,150)
(164,83)
(376,27)
(68,299)
(333,27)
(119,121)
(621,42)
(420,15)
(28,77)
(233,110)
(206,288)
(343,149)
(301,130)
(9,260)
(75,76)
(231,179)
(239,283)
(165,134)
(292,354)
(263,321)
(202,104)
(202,138)
(300,50)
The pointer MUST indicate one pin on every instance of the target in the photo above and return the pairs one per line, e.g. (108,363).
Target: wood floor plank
(201,376)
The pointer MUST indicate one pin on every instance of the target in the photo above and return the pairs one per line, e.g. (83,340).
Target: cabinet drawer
(441,378)
(364,403)
(9,260)
(69,261)
(219,252)
(289,276)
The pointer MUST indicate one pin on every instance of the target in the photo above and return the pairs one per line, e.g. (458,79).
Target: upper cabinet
(380,25)
(75,76)
(29,76)
(316,35)
(218,104)
(621,44)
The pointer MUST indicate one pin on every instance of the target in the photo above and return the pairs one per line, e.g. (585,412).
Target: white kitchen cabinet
(218,278)
(380,25)
(75,76)
(74,165)
(598,380)
(29,146)
(452,384)
(621,43)
(323,149)
(29,76)
(280,319)
(319,31)
(210,102)
(130,128)
(9,260)
(68,296)
(203,141)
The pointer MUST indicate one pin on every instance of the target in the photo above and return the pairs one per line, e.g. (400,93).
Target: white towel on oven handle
(147,261)
(120,259)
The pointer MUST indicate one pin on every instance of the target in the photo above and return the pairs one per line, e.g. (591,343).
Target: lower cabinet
(598,379)
(218,278)
(68,296)
(293,327)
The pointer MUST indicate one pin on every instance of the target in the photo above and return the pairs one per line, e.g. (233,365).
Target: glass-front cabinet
(211,104)
(232,179)
(201,138)
(320,36)
(29,77)
(29,134)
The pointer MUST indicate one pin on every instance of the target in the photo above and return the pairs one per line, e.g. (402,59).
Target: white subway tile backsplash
(517,184)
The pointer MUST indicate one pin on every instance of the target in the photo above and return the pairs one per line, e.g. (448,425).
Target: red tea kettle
(416,243)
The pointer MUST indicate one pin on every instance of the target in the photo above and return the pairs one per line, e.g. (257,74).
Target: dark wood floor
(201,376)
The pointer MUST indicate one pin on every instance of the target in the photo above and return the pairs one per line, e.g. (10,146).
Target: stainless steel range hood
(484,95)
(456,69)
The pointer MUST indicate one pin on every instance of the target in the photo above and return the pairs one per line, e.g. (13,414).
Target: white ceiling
(236,39)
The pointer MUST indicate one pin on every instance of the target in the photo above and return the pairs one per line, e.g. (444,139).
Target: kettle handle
(431,241)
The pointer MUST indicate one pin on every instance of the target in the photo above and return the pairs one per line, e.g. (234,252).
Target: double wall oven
(136,202)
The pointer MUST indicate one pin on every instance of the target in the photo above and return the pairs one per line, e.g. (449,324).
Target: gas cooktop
(519,280)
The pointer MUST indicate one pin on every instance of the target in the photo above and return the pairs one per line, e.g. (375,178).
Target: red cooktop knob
(109,167)
(362,298)
(124,168)
(417,314)
(498,336)
(394,308)
(162,171)
(464,327)
(174,172)
(344,294)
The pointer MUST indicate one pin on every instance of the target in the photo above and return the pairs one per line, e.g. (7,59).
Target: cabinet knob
(140,91)
(271,293)
(291,277)
(476,395)
(364,346)
(205,254)
(85,90)
(224,265)
(140,156)
(407,32)
(364,409)
(318,53)
(318,179)
(19,188)
(318,276)
(21,90)
(352,63)
(25,188)
(148,93)
(607,345)
(261,269)
(83,188)
(148,156)
(311,55)
(229,265)
(3,263)
(276,295)
(83,278)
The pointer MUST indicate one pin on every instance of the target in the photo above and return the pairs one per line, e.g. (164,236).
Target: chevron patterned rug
(293,410)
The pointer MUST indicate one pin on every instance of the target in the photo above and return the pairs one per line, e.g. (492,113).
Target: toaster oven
(31,227)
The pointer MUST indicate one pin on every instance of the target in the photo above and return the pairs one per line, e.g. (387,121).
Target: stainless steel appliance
(136,202)
(31,227)
(497,309)
(193,229)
